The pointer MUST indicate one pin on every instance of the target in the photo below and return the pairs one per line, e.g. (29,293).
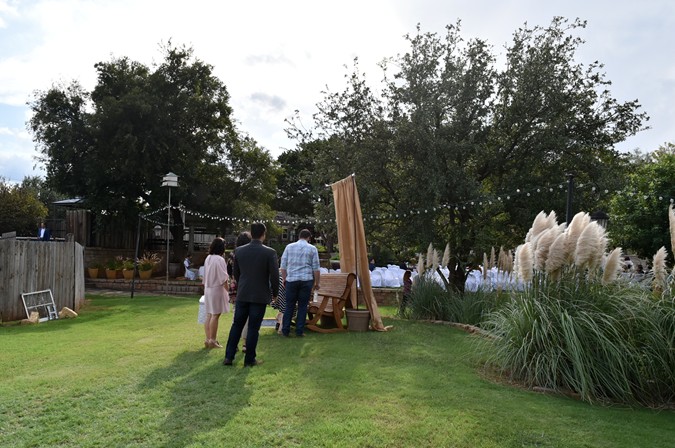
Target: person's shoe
(227,362)
(300,335)
(215,344)
(257,362)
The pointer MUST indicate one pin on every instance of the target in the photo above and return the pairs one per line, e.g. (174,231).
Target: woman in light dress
(216,298)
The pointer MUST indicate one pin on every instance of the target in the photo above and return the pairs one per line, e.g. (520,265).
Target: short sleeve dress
(216,298)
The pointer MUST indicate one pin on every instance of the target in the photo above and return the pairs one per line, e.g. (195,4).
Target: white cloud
(7,9)
(276,57)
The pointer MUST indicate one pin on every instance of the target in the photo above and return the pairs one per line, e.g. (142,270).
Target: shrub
(428,300)
(148,261)
(115,264)
(604,343)
(575,328)
(473,307)
(128,264)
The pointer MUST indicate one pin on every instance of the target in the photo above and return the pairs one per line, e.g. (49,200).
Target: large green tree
(452,146)
(113,145)
(639,210)
(20,209)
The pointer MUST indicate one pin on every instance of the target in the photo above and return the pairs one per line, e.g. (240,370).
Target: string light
(480,202)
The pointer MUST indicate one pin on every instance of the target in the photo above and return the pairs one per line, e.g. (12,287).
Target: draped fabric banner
(352,241)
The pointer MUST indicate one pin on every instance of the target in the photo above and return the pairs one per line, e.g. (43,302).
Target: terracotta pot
(128,274)
(110,274)
(93,272)
(145,275)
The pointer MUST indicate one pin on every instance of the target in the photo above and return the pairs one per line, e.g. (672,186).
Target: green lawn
(134,373)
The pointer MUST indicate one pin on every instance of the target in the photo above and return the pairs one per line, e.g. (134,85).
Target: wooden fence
(27,266)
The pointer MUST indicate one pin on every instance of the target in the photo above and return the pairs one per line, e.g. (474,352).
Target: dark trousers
(254,312)
(296,292)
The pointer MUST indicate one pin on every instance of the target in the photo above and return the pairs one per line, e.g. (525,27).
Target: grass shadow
(201,395)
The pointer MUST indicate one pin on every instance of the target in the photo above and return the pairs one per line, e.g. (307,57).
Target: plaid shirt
(300,260)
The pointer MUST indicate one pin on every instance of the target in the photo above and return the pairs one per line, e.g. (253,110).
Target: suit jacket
(257,272)
(46,236)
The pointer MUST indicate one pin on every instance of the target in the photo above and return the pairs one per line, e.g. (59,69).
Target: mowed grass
(132,372)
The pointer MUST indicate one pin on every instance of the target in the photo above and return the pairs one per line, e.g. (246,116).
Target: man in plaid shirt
(300,274)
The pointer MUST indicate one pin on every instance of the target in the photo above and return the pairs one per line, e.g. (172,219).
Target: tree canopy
(20,209)
(449,133)
(113,145)
(639,210)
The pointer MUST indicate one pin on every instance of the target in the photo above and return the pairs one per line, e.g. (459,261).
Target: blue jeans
(296,292)
(254,312)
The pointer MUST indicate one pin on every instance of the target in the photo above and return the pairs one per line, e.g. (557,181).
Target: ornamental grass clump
(428,300)
(435,297)
(575,328)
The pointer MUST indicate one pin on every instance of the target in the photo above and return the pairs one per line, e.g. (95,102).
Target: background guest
(215,291)
(44,234)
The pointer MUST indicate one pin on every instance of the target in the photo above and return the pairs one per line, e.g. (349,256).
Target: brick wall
(158,285)
(383,296)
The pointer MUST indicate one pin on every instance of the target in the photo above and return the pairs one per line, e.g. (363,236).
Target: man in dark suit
(43,233)
(256,271)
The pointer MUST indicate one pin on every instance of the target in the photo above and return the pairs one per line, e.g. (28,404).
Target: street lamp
(169,180)
(600,217)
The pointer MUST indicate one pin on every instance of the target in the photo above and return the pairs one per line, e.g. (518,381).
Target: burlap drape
(352,240)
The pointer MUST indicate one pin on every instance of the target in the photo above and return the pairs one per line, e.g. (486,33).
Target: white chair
(376,280)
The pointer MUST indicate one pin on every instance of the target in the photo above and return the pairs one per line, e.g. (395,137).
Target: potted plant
(93,269)
(147,263)
(112,266)
(128,268)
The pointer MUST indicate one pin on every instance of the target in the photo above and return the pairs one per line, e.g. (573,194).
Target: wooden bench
(332,298)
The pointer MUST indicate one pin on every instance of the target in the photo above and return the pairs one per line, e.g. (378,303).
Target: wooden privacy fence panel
(28,266)
(78,222)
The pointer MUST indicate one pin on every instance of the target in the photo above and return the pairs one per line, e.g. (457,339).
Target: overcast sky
(277,56)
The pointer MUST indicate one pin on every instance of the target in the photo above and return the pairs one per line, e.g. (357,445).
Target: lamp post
(169,180)
(570,196)
(601,218)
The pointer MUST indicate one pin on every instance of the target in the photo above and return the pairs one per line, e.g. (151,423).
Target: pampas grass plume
(557,256)
(430,254)
(671,221)
(543,244)
(501,259)
(509,261)
(435,259)
(420,265)
(574,231)
(552,219)
(601,247)
(486,266)
(659,266)
(446,256)
(590,246)
(539,224)
(524,260)
(612,265)
(493,258)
